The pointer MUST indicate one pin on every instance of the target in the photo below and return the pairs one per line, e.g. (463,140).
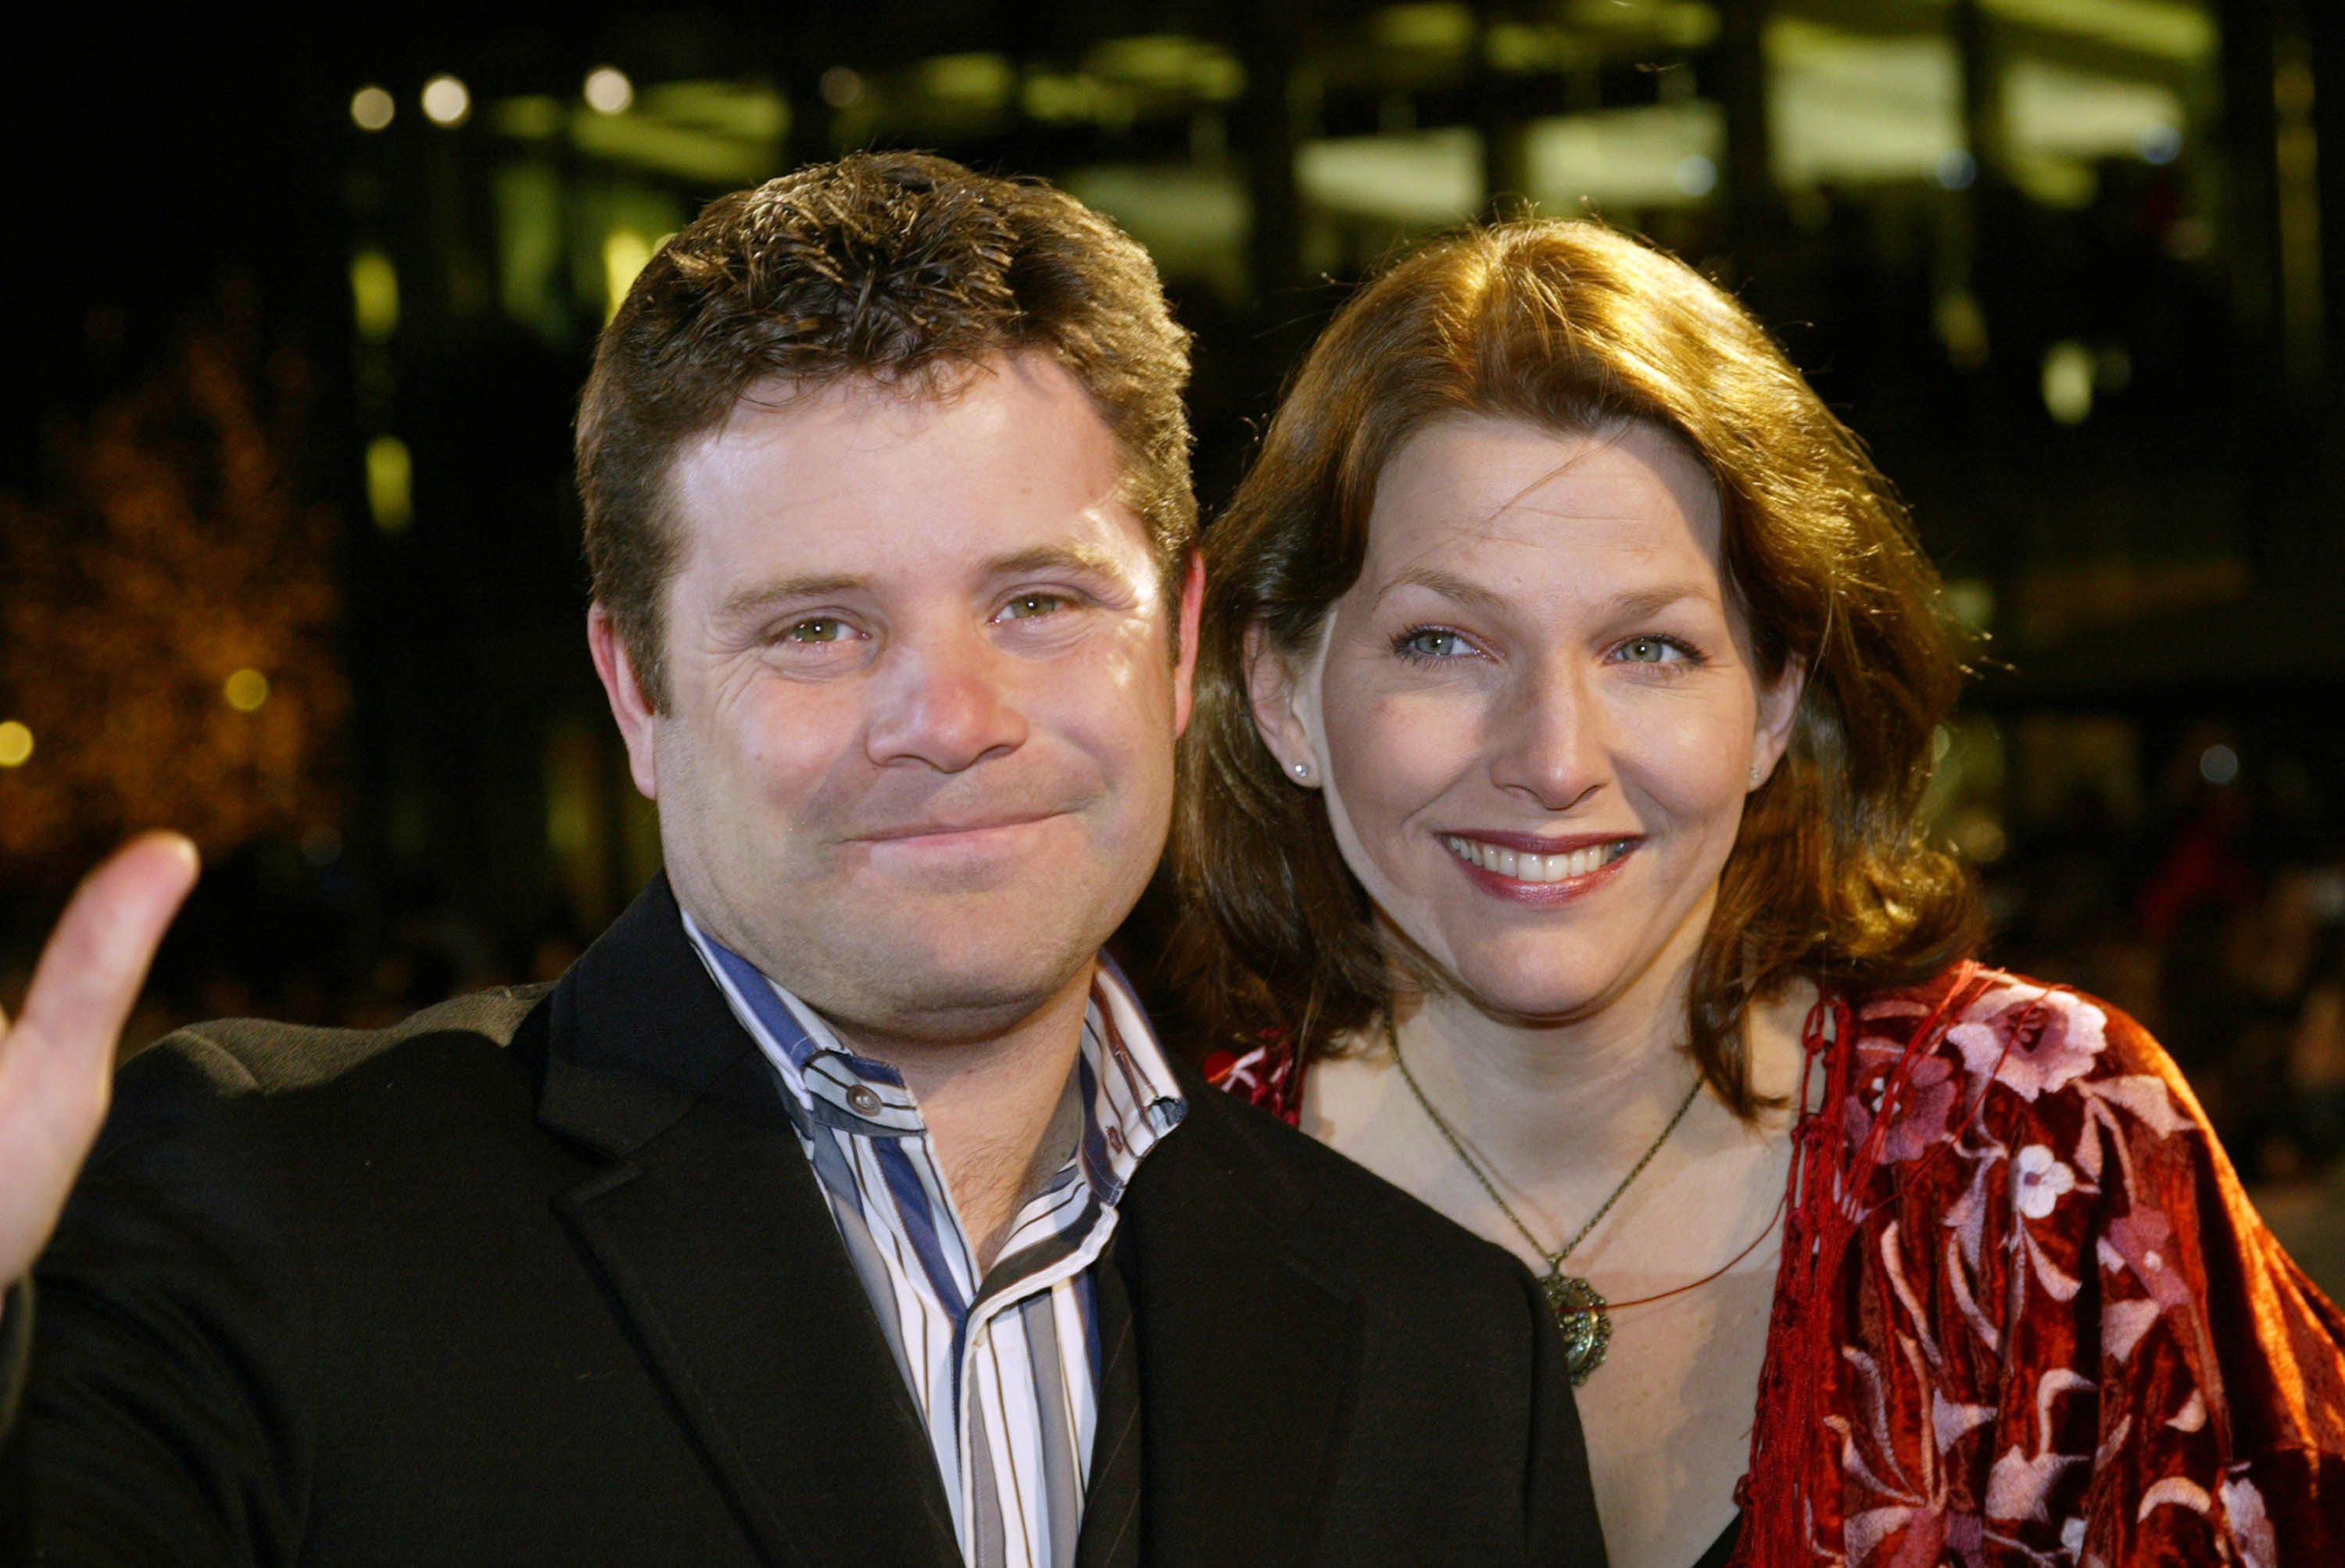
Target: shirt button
(1115,1140)
(864,1099)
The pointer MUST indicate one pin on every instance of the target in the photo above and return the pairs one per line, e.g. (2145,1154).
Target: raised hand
(56,1062)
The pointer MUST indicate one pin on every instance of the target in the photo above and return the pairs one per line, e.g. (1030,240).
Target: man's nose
(1546,737)
(946,700)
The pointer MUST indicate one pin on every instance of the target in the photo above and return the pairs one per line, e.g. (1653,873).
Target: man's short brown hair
(905,269)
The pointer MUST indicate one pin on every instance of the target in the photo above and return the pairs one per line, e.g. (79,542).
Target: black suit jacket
(542,1275)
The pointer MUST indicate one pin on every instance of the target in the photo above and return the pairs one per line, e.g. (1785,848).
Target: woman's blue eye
(1651,650)
(1432,642)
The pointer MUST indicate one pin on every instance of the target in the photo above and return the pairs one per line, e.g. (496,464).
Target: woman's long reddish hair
(1574,327)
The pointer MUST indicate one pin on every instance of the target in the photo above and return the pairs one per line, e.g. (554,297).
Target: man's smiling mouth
(972,828)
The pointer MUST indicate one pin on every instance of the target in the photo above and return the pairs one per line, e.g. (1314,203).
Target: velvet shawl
(2026,1312)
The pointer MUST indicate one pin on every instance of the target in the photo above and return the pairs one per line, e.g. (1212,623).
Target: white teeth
(1530,867)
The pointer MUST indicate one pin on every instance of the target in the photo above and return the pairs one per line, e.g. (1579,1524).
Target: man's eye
(817,629)
(1026,606)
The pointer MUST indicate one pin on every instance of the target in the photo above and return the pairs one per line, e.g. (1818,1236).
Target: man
(838,1206)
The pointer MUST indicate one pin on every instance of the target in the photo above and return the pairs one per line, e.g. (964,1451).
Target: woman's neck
(1537,1098)
(1554,1115)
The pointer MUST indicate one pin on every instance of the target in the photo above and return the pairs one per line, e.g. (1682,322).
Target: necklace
(1579,1312)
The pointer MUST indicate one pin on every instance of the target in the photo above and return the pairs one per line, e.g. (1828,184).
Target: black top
(1722,1548)
(544,1275)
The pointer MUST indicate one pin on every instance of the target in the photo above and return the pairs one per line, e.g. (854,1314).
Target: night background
(289,550)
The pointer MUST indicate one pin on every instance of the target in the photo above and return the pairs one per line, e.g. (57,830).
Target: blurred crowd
(2221,930)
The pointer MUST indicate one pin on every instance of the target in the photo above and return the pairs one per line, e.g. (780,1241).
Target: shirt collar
(1130,1095)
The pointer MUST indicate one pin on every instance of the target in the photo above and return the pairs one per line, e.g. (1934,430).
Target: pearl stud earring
(1303,770)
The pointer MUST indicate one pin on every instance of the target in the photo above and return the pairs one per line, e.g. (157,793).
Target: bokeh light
(447,101)
(246,690)
(608,91)
(624,251)
(374,295)
(840,87)
(2068,383)
(16,744)
(389,483)
(371,108)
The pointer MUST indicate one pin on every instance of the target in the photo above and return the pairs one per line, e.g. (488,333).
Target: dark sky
(147,163)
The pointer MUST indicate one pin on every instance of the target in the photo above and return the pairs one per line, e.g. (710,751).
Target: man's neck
(993,1107)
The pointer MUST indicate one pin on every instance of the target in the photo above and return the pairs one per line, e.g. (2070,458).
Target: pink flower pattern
(1984,1405)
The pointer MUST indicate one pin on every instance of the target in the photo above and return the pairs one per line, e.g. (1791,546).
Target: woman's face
(1534,716)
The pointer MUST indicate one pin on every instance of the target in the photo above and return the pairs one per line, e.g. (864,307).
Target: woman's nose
(1545,739)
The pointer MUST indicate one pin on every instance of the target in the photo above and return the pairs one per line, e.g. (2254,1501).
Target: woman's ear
(1275,692)
(1779,708)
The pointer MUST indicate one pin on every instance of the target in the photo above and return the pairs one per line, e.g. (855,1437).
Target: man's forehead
(859,479)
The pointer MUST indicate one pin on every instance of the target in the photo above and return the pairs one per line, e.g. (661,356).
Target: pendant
(1587,1326)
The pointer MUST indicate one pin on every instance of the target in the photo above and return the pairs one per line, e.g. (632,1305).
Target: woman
(1566,699)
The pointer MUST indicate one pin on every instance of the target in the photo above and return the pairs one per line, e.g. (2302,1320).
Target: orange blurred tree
(175,551)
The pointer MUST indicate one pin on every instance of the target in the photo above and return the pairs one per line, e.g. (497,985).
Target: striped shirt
(1005,1367)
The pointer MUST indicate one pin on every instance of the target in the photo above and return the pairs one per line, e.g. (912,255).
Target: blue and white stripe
(1005,1367)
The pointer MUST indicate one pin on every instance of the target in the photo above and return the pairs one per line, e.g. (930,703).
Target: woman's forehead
(1505,499)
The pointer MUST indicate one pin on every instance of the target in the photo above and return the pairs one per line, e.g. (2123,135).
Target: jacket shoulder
(235,1061)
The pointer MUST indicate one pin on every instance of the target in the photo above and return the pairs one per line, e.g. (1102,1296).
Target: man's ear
(1779,708)
(1184,668)
(1274,691)
(633,710)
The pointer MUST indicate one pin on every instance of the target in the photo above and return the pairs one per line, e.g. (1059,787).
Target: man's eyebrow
(1074,557)
(757,597)
(1077,557)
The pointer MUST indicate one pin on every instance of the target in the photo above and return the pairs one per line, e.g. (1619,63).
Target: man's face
(916,761)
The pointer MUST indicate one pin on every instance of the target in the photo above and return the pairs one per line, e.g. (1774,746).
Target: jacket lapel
(717,1246)
(1110,1529)
(1248,1358)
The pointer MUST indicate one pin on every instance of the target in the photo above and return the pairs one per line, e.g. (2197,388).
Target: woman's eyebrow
(1627,605)
(1653,600)
(1447,584)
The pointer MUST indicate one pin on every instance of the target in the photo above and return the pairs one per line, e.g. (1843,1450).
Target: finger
(95,960)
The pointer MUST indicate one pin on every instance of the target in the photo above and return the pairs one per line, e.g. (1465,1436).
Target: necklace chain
(1457,1145)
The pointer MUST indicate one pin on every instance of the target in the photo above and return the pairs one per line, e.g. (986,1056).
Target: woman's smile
(1506,867)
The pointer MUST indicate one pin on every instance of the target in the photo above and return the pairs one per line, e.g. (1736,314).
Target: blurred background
(289,547)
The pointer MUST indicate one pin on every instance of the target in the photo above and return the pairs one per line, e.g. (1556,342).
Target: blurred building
(2072,266)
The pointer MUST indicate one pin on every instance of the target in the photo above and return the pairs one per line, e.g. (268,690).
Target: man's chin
(946,999)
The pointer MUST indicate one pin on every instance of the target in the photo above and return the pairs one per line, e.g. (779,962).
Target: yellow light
(447,101)
(840,87)
(16,744)
(624,251)
(2068,383)
(246,690)
(374,295)
(389,480)
(608,91)
(371,108)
